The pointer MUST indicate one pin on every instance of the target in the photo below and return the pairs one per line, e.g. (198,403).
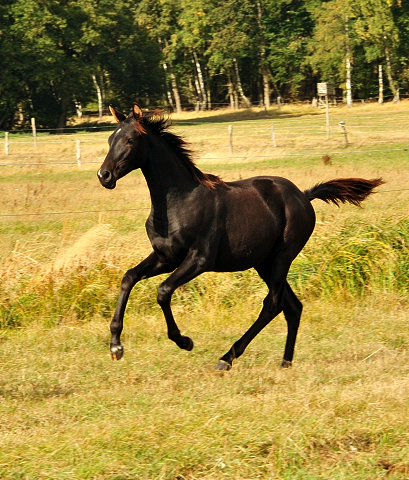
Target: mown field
(341,412)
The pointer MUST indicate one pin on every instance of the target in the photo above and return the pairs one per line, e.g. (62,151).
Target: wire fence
(125,210)
(275,135)
(82,148)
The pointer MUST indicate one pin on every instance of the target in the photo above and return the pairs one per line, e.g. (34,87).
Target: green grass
(68,412)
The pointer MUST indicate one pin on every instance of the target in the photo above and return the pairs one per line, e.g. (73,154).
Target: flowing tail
(343,190)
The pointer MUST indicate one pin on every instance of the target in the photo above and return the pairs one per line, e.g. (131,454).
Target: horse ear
(137,111)
(119,117)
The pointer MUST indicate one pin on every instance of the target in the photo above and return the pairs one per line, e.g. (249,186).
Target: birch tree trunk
(169,95)
(264,69)
(348,65)
(380,100)
(246,101)
(174,83)
(231,96)
(101,77)
(175,90)
(202,90)
(78,108)
(99,95)
(392,84)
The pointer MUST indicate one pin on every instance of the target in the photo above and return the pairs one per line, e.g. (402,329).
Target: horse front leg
(149,267)
(191,267)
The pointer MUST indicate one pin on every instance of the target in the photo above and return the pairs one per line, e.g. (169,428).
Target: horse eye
(130,141)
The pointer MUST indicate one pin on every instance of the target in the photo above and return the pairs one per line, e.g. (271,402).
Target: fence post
(6,143)
(78,144)
(33,128)
(231,139)
(344,131)
(273,135)
(327,114)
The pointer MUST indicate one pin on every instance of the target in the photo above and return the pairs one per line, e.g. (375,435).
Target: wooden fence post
(273,135)
(33,128)
(6,143)
(344,131)
(327,114)
(231,139)
(78,144)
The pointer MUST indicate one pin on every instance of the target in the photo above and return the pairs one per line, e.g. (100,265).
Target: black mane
(159,123)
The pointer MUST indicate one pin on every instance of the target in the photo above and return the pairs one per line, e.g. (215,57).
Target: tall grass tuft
(356,260)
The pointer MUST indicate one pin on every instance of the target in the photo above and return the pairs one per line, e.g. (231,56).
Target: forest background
(58,57)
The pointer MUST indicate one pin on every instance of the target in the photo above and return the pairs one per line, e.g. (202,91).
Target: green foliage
(140,51)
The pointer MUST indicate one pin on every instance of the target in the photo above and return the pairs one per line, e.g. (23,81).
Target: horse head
(126,148)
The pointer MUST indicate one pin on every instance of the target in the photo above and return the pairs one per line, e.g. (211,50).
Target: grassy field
(68,412)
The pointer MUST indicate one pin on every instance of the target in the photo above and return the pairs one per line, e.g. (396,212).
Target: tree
(230,43)
(333,43)
(289,25)
(12,83)
(160,18)
(376,27)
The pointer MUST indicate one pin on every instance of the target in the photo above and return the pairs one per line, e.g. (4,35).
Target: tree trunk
(175,90)
(170,99)
(264,68)
(231,96)
(246,101)
(348,65)
(173,82)
(394,89)
(202,90)
(380,100)
(101,77)
(99,95)
(78,108)
(198,96)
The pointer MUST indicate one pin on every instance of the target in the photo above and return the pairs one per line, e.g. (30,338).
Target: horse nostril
(106,176)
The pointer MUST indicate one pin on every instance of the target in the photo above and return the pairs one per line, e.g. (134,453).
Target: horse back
(260,215)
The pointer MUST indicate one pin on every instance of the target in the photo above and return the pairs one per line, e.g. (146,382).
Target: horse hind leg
(292,310)
(273,304)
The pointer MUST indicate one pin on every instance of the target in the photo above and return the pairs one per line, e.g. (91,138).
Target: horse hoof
(187,344)
(117,352)
(223,365)
(286,364)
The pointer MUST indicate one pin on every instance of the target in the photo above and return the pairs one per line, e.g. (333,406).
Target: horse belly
(246,243)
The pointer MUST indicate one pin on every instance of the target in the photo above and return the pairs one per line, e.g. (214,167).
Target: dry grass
(68,412)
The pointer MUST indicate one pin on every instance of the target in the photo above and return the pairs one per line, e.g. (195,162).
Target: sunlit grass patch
(67,411)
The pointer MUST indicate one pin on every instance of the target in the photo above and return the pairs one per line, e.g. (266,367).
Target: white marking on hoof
(223,365)
(116,352)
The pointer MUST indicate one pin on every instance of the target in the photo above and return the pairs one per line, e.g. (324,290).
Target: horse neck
(166,175)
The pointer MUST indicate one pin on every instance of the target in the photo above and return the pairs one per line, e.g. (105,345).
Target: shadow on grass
(219,116)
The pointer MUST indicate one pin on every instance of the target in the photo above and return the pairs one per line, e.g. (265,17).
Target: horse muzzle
(106,179)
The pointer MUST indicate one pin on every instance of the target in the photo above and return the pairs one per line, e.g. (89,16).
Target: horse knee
(164,295)
(128,280)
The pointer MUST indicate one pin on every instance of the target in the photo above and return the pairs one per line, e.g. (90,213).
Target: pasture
(341,412)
